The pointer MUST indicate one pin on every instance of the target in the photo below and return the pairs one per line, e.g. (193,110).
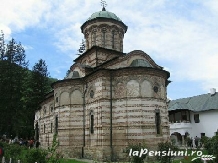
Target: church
(109,100)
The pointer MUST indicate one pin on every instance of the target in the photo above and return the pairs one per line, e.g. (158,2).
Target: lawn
(70,161)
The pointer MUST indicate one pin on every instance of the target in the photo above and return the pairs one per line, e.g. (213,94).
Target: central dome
(104,29)
(104,14)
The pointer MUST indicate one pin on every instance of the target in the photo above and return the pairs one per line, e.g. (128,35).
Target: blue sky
(180,35)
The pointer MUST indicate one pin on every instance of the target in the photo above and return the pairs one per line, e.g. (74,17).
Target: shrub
(211,145)
(13,151)
(35,155)
(166,146)
(136,158)
(53,156)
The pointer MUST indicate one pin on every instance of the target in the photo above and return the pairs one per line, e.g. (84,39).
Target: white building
(194,116)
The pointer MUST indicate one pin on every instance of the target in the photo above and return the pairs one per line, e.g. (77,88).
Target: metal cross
(103,3)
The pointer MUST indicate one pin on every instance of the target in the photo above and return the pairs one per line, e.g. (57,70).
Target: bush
(13,151)
(211,145)
(166,146)
(35,155)
(136,158)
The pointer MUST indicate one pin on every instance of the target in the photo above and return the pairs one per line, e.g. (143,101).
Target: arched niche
(76,97)
(64,98)
(132,88)
(146,89)
(120,90)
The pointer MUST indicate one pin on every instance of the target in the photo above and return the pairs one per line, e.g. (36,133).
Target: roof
(140,62)
(196,103)
(104,14)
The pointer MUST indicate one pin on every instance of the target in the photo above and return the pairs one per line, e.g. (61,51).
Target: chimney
(212,91)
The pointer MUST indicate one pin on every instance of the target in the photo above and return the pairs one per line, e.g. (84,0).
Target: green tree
(13,71)
(39,82)
(37,87)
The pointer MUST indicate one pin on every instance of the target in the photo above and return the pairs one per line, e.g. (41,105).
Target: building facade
(109,100)
(193,116)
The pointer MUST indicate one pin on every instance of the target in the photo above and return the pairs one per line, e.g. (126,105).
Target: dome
(104,14)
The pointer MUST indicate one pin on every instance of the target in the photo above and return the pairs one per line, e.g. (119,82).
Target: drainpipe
(84,122)
(111,105)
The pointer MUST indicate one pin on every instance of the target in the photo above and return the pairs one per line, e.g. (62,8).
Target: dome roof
(104,14)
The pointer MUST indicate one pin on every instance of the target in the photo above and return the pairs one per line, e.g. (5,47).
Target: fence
(10,161)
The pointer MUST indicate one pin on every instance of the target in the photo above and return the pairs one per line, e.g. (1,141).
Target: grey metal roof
(196,103)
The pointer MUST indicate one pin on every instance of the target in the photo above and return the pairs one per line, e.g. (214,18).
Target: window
(91,122)
(51,127)
(56,99)
(92,93)
(113,33)
(44,128)
(157,120)
(51,109)
(93,38)
(196,118)
(37,131)
(56,124)
(104,37)
(202,135)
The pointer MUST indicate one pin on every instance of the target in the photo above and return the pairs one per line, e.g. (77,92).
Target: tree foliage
(20,89)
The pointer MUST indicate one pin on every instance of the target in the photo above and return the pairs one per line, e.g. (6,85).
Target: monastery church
(110,99)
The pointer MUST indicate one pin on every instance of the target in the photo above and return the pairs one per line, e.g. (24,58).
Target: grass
(70,161)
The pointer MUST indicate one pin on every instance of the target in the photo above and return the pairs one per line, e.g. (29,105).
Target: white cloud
(181,33)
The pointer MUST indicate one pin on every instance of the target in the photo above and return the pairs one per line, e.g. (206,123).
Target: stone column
(183,140)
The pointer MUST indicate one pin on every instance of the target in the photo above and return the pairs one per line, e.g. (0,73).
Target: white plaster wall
(208,123)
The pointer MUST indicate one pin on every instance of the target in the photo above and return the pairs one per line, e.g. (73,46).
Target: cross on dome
(104,4)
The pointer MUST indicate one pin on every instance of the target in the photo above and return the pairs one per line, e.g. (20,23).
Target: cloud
(18,15)
(181,35)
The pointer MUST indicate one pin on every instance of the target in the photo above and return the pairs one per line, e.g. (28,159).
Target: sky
(179,35)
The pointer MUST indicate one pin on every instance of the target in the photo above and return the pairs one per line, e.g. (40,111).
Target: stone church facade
(109,100)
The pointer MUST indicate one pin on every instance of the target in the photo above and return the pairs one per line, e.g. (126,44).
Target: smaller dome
(104,14)
(140,63)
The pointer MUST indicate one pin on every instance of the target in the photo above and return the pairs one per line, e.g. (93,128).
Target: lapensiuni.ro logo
(171,153)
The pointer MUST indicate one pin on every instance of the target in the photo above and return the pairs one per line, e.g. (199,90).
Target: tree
(39,81)
(2,46)
(13,71)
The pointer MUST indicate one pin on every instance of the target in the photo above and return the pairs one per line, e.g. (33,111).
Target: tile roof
(196,103)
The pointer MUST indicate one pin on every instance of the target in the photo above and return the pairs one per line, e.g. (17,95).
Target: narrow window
(51,127)
(92,124)
(44,128)
(157,120)
(113,39)
(56,99)
(51,109)
(56,124)
(37,131)
(93,38)
(196,118)
(104,37)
